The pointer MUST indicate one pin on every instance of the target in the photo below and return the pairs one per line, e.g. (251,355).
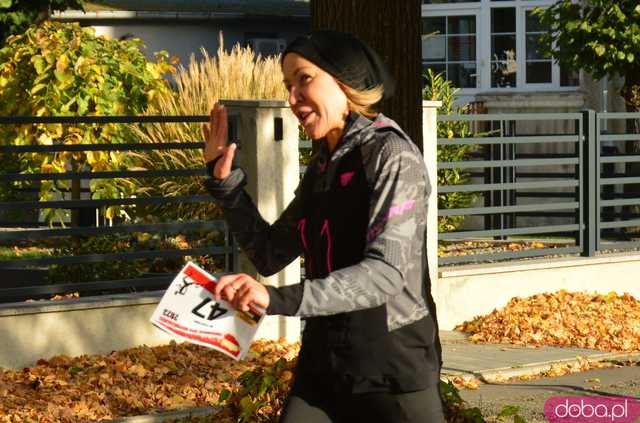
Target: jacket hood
(360,130)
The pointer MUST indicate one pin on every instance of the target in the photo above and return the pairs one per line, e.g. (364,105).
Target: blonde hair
(362,101)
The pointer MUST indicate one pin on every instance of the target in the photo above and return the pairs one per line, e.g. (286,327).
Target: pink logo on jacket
(345,178)
(396,210)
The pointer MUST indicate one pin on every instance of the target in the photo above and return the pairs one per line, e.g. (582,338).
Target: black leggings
(320,406)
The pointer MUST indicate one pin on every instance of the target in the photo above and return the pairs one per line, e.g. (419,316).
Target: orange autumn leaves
(131,382)
(465,248)
(605,322)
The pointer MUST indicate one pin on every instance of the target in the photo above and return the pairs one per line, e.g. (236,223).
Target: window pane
(462,75)
(500,78)
(462,48)
(569,78)
(533,47)
(454,51)
(431,25)
(462,24)
(538,72)
(503,47)
(434,48)
(533,23)
(504,65)
(503,19)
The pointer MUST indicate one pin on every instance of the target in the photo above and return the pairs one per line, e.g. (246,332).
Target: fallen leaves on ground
(58,297)
(604,322)
(582,364)
(135,381)
(461,382)
(465,248)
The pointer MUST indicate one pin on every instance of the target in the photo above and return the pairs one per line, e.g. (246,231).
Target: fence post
(268,152)
(590,190)
(430,150)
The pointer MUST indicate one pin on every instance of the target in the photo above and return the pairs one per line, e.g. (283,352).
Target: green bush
(62,69)
(439,89)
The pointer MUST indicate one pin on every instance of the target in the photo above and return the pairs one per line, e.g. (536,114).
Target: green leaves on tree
(62,69)
(17,15)
(601,37)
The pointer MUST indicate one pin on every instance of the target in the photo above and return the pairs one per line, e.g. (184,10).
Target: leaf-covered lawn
(604,322)
(146,379)
(126,383)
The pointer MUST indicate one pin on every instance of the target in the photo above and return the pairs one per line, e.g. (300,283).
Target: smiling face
(315,97)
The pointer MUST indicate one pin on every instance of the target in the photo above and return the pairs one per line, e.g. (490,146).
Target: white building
(486,47)
(183,27)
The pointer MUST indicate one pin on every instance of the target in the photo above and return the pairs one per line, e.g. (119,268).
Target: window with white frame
(487,45)
(449,46)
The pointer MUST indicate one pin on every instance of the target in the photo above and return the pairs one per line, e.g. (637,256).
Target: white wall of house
(184,37)
(488,49)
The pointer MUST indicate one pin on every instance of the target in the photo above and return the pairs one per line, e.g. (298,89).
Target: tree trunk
(392,28)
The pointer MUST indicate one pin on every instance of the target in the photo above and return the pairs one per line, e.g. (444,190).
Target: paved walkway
(489,362)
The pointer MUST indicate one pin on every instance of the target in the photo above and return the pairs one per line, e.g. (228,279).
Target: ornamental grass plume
(235,74)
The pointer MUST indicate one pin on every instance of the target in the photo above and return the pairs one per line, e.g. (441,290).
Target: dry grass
(235,74)
(238,74)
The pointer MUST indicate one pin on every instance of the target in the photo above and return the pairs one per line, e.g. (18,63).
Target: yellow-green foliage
(62,69)
(235,74)
(601,37)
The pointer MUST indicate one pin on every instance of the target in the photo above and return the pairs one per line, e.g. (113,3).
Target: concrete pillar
(268,152)
(429,144)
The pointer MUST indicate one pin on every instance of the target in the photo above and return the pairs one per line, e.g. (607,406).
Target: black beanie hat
(348,59)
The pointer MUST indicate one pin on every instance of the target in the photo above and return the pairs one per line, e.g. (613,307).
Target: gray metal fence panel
(516,175)
(606,179)
(15,233)
(617,195)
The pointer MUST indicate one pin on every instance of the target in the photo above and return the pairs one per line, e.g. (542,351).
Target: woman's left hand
(240,290)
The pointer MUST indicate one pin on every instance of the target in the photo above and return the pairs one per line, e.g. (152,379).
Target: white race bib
(189,312)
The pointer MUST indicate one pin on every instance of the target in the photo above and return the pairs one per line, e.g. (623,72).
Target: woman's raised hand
(215,138)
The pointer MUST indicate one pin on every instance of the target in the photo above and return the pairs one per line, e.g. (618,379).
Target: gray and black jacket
(359,219)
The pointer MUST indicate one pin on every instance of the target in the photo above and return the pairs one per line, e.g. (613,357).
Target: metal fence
(567,191)
(25,277)
(544,194)
(617,181)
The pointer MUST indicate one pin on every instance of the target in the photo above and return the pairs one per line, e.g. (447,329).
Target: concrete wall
(464,292)
(92,325)
(99,325)
(95,325)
